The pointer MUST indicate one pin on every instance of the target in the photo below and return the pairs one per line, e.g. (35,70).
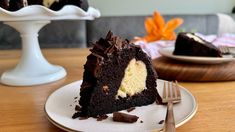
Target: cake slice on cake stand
(33,68)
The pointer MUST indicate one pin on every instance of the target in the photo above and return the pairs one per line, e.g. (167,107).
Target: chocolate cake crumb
(76,115)
(77,108)
(75,97)
(70,105)
(160,122)
(102,117)
(141,121)
(83,118)
(130,109)
(122,117)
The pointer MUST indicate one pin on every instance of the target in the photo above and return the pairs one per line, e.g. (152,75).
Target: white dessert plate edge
(168,52)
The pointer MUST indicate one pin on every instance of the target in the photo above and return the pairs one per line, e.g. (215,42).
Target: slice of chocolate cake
(191,45)
(118,75)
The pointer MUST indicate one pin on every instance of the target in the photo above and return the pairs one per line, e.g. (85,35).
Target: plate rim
(193,59)
(186,119)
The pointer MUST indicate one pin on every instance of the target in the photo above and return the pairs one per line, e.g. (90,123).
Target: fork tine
(164,91)
(224,49)
(221,49)
(169,90)
(178,90)
(174,95)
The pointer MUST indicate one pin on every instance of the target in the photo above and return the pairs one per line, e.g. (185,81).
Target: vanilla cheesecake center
(134,80)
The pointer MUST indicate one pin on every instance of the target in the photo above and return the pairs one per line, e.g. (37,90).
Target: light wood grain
(169,69)
(21,108)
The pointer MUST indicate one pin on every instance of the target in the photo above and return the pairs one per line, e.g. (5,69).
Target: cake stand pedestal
(33,68)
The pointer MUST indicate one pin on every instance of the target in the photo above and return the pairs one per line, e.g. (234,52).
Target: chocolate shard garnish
(122,117)
(130,109)
(102,117)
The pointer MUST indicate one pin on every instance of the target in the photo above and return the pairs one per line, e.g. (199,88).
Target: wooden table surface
(21,108)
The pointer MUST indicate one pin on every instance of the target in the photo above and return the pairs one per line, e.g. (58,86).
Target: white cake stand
(33,68)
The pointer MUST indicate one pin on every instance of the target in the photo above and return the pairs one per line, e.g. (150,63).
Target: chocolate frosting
(105,47)
(103,50)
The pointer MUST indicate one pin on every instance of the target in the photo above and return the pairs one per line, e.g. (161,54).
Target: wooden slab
(168,69)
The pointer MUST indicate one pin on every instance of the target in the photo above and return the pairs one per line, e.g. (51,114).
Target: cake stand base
(33,68)
(18,78)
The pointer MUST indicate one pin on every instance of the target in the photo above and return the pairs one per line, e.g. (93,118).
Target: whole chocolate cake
(14,5)
(35,2)
(4,4)
(59,5)
(191,45)
(118,75)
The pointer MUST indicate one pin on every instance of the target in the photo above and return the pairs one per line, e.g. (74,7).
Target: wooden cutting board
(168,69)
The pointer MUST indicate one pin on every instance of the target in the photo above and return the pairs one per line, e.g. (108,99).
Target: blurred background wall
(146,7)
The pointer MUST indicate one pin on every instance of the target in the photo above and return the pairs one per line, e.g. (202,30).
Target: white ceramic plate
(59,111)
(168,52)
(38,12)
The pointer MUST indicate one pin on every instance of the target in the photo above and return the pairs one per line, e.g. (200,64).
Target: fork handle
(169,125)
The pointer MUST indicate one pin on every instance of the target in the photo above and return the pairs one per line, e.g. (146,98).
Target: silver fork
(171,95)
(224,50)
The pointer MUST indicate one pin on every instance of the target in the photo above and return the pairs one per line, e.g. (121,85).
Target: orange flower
(157,29)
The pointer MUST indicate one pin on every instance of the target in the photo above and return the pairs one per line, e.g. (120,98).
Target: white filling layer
(196,38)
(134,80)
